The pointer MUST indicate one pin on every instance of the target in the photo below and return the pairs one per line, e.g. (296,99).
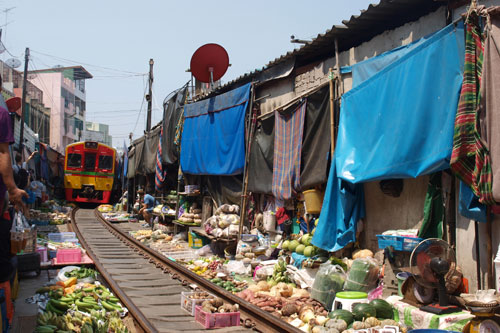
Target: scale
(484,320)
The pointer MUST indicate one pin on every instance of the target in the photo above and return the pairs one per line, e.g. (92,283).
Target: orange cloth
(8,300)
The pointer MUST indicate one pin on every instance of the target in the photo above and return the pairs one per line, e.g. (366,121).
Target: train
(90,172)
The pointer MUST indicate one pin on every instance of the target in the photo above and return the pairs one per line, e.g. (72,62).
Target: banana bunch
(49,322)
(117,326)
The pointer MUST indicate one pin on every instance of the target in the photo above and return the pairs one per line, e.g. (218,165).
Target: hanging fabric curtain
(399,123)
(343,206)
(172,112)
(288,129)
(470,159)
(432,225)
(213,137)
(160,174)
(489,108)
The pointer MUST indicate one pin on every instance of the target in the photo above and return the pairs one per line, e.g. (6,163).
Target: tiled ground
(25,314)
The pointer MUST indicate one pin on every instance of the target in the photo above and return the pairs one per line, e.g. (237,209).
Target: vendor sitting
(146,210)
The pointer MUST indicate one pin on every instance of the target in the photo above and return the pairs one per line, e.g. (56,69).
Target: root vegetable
(289,309)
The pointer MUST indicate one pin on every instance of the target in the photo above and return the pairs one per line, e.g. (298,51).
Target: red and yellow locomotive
(89,172)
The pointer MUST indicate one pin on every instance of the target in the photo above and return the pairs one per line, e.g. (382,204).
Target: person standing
(8,190)
(39,190)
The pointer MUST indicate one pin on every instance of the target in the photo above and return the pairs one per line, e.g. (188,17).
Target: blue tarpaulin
(343,206)
(213,138)
(399,123)
(364,70)
(469,205)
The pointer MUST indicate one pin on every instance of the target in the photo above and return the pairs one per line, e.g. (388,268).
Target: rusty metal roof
(377,18)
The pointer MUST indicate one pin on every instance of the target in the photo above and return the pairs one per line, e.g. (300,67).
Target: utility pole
(23,104)
(149,96)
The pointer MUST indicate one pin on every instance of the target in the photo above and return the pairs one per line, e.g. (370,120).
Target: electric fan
(430,262)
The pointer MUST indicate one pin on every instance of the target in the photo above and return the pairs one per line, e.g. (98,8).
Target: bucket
(313,201)
(269,221)
(401,276)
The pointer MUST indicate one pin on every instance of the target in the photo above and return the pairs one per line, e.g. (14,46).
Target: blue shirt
(149,201)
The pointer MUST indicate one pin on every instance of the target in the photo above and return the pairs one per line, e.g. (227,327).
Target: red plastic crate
(216,320)
(68,256)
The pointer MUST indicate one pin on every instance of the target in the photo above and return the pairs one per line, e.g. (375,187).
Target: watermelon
(362,311)
(342,314)
(383,308)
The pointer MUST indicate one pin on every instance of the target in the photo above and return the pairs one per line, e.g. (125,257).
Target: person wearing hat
(148,203)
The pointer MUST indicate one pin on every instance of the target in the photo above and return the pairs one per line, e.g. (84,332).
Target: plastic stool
(346,299)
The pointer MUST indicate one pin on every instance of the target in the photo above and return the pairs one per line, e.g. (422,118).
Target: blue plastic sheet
(343,206)
(399,123)
(364,70)
(469,205)
(213,138)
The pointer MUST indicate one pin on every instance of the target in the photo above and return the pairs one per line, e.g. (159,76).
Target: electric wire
(87,64)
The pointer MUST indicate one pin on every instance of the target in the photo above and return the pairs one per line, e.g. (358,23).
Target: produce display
(191,216)
(69,306)
(363,275)
(82,273)
(279,273)
(216,305)
(225,222)
(329,280)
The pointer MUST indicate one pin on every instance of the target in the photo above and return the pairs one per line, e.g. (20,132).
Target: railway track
(150,285)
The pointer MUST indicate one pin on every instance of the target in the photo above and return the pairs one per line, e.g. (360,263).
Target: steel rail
(133,310)
(251,315)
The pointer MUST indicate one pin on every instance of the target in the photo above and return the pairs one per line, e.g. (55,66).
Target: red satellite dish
(209,63)
(14,104)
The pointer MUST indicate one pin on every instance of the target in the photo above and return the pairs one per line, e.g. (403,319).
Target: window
(105,162)
(90,161)
(74,161)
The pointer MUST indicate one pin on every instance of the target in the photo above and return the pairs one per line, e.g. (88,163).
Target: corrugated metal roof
(377,18)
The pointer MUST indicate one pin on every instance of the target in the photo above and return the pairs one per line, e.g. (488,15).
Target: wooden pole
(332,118)
(23,104)
(489,247)
(253,120)
(149,97)
(478,256)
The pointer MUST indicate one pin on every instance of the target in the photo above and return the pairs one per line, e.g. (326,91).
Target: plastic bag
(238,267)
(204,251)
(328,281)
(363,275)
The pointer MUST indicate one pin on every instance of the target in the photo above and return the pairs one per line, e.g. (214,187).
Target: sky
(114,41)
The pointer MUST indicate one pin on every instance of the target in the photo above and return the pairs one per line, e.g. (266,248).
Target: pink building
(64,93)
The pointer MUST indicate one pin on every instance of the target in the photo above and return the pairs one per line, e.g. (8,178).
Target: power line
(87,64)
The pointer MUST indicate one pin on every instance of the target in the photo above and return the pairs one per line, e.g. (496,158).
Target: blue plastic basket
(399,243)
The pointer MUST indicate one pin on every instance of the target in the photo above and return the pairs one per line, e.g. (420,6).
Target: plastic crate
(399,243)
(39,222)
(197,242)
(60,237)
(216,320)
(189,304)
(186,255)
(68,256)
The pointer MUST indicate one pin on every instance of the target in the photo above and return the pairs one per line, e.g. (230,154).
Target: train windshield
(90,161)
(105,162)
(74,161)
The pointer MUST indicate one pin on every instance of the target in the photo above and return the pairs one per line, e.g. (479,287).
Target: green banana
(59,305)
(46,329)
(51,308)
(109,306)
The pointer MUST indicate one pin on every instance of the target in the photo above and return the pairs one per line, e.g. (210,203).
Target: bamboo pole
(332,119)
(489,247)
(253,120)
